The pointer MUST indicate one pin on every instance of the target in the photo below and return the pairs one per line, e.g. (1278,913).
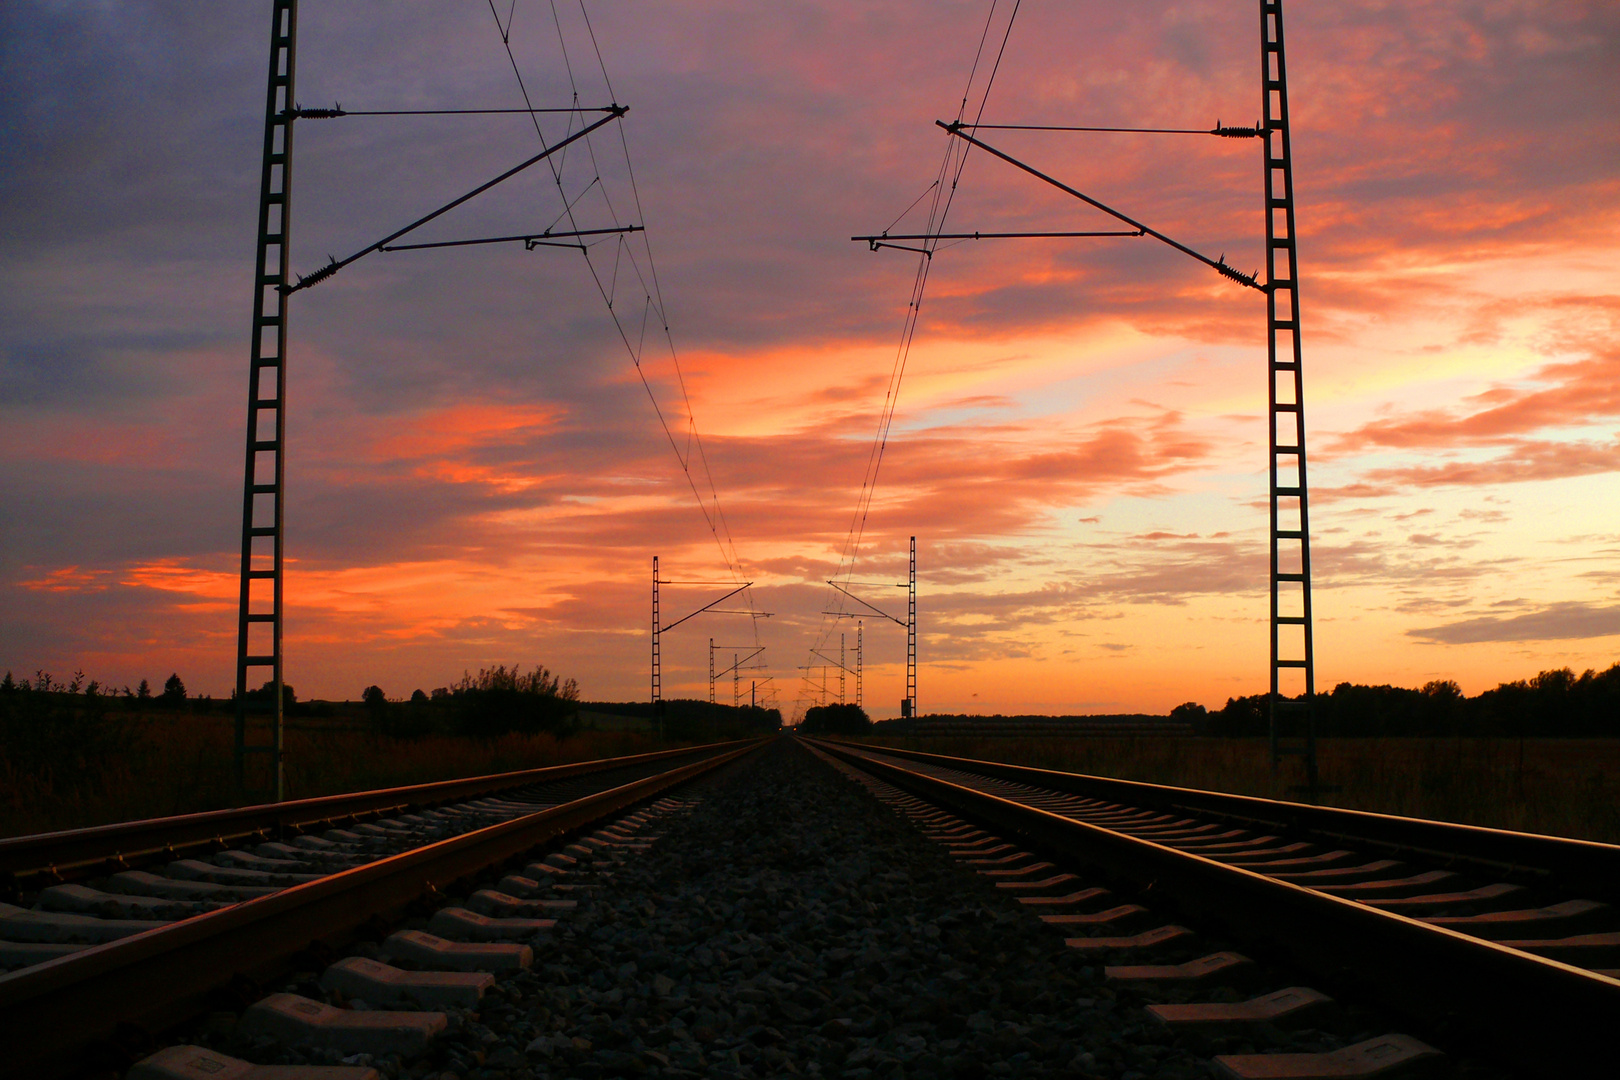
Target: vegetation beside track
(1562,787)
(63,765)
(76,754)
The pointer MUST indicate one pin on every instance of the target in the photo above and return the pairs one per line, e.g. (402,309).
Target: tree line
(174,690)
(1553,703)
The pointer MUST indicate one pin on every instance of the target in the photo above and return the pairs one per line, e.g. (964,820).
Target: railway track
(117,934)
(1007,922)
(1502,943)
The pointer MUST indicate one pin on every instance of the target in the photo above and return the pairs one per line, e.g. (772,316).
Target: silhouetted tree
(144,691)
(174,691)
(1191,713)
(267,694)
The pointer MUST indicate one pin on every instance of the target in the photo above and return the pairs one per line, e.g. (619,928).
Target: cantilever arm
(834,663)
(1217,265)
(705,607)
(863,603)
(335,265)
(530,240)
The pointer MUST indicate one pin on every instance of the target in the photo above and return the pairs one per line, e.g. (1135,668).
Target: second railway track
(219,916)
(1503,943)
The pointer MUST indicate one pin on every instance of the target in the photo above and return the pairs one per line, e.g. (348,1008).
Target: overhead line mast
(908,704)
(260,619)
(263,499)
(1292,723)
(1291,650)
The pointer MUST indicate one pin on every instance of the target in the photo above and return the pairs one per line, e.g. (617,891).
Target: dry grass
(1564,787)
(180,763)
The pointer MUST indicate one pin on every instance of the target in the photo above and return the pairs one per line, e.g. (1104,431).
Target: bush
(497,701)
(836,720)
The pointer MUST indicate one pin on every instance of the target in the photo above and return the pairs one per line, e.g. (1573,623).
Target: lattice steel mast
(857,663)
(911,637)
(1291,650)
(657,672)
(264,474)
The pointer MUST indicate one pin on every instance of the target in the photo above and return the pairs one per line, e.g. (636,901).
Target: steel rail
(53,1015)
(60,856)
(1579,866)
(1543,1015)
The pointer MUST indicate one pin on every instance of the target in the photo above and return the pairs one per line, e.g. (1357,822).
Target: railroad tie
(1146,940)
(1389,1056)
(1182,828)
(1599,951)
(1117,914)
(200,1063)
(300,1021)
(1045,883)
(1339,875)
(1571,915)
(517,885)
(306,842)
(1221,966)
(197,870)
(375,983)
(62,928)
(1241,847)
(329,859)
(1005,860)
(247,860)
(87,901)
(459,924)
(1285,1008)
(21,954)
(1081,896)
(427,950)
(1452,901)
(1392,887)
(1289,855)
(499,904)
(144,883)
(1032,868)
(544,872)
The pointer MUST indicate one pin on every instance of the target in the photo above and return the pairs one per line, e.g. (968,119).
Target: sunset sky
(477,474)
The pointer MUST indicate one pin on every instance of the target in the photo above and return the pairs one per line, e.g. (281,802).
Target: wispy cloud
(1555,622)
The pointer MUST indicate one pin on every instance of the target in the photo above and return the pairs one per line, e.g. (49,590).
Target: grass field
(177,763)
(1565,787)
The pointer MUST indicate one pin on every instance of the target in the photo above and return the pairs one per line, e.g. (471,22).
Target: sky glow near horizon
(475,473)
